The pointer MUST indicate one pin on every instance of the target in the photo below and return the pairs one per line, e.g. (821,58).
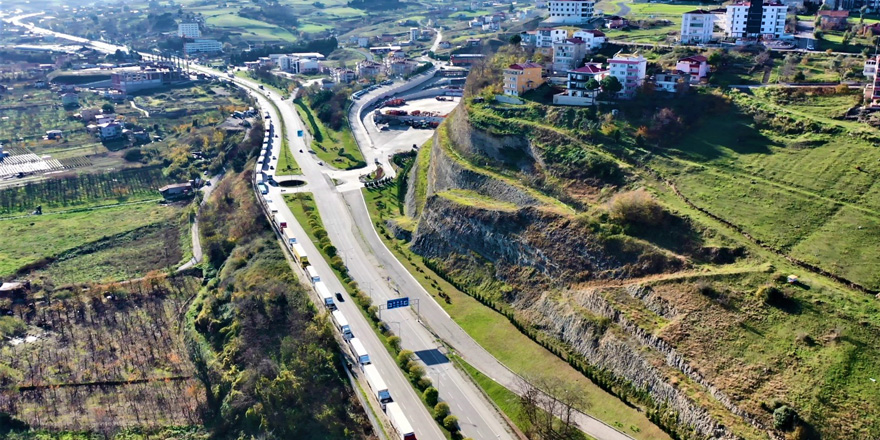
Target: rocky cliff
(473,211)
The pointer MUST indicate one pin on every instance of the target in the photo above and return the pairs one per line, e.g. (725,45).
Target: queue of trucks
(402,428)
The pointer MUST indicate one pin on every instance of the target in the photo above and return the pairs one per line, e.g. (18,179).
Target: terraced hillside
(651,250)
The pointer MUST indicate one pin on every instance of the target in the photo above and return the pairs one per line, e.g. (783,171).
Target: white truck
(360,353)
(402,428)
(342,324)
(313,274)
(324,293)
(380,390)
(289,238)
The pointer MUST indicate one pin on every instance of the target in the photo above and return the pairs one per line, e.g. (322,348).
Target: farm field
(28,240)
(108,358)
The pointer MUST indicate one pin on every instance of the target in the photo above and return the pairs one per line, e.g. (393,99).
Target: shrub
(424,383)
(441,410)
(416,371)
(373,313)
(636,207)
(133,155)
(404,357)
(431,395)
(769,294)
(450,422)
(785,418)
(394,342)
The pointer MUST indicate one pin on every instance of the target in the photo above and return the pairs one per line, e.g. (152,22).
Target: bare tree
(549,408)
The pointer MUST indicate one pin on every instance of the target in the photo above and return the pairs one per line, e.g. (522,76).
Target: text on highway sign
(397,302)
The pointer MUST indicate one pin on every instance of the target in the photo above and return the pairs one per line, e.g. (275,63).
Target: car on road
(274,157)
(320,163)
(339,297)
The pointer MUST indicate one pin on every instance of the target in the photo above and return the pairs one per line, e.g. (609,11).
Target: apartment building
(576,92)
(697,26)
(545,37)
(568,54)
(755,20)
(188,30)
(570,11)
(202,46)
(697,67)
(522,77)
(630,70)
(594,38)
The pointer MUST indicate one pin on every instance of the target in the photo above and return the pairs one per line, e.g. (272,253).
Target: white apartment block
(697,26)
(630,70)
(568,54)
(545,37)
(594,38)
(202,46)
(570,11)
(188,30)
(753,20)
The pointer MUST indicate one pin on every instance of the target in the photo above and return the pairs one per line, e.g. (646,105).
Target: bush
(424,383)
(785,418)
(636,207)
(441,410)
(431,395)
(404,357)
(416,371)
(450,422)
(133,155)
(770,294)
(394,342)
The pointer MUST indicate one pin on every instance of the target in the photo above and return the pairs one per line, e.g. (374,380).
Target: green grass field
(29,239)
(336,148)
(249,28)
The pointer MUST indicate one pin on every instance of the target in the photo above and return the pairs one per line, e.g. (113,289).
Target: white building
(577,92)
(570,11)
(202,46)
(630,70)
(545,37)
(188,30)
(755,20)
(697,67)
(568,54)
(671,82)
(344,76)
(594,38)
(697,26)
(414,33)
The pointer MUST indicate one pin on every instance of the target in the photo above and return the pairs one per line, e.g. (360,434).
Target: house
(568,54)
(491,26)
(444,45)
(522,77)
(697,26)
(472,42)
(616,22)
(594,38)
(577,92)
(104,118)
(671,82)
(14,289)
(697,66)
(344,76)
(363,42)
(368,69)
(401,67)
(176,191)
(54,134)
(574,12)
(832,19)
(69,99)
(755,20)
(109,130)
(630,70)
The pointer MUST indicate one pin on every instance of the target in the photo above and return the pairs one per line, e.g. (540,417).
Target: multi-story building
(368,69)
(696,66)
(872,89)
(577,92)
(594,38)
(630,70)
(671,82)
(755,20)
(188,30)
(344,76)
(545,37)
(202,46)
(522,77)
(570,11)
(697,26)
(568,54)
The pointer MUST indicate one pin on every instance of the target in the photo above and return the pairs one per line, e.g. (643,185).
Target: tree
(450,422)
(592,84)
(550,413)
(404,357)
(799,76)
(785,418)
(515,40)
(394,342)
(108,108)
(431,395)
(441,410)
(611,85)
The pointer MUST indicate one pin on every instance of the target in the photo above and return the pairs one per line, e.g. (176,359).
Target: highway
(378,272)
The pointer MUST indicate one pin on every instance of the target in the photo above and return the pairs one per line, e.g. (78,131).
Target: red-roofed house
(577,91)
(569,54)
(832,19)
(696,66)
(616,22)
(594,38)
(522,77)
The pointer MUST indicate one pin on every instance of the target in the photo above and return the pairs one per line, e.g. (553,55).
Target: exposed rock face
(515,151)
